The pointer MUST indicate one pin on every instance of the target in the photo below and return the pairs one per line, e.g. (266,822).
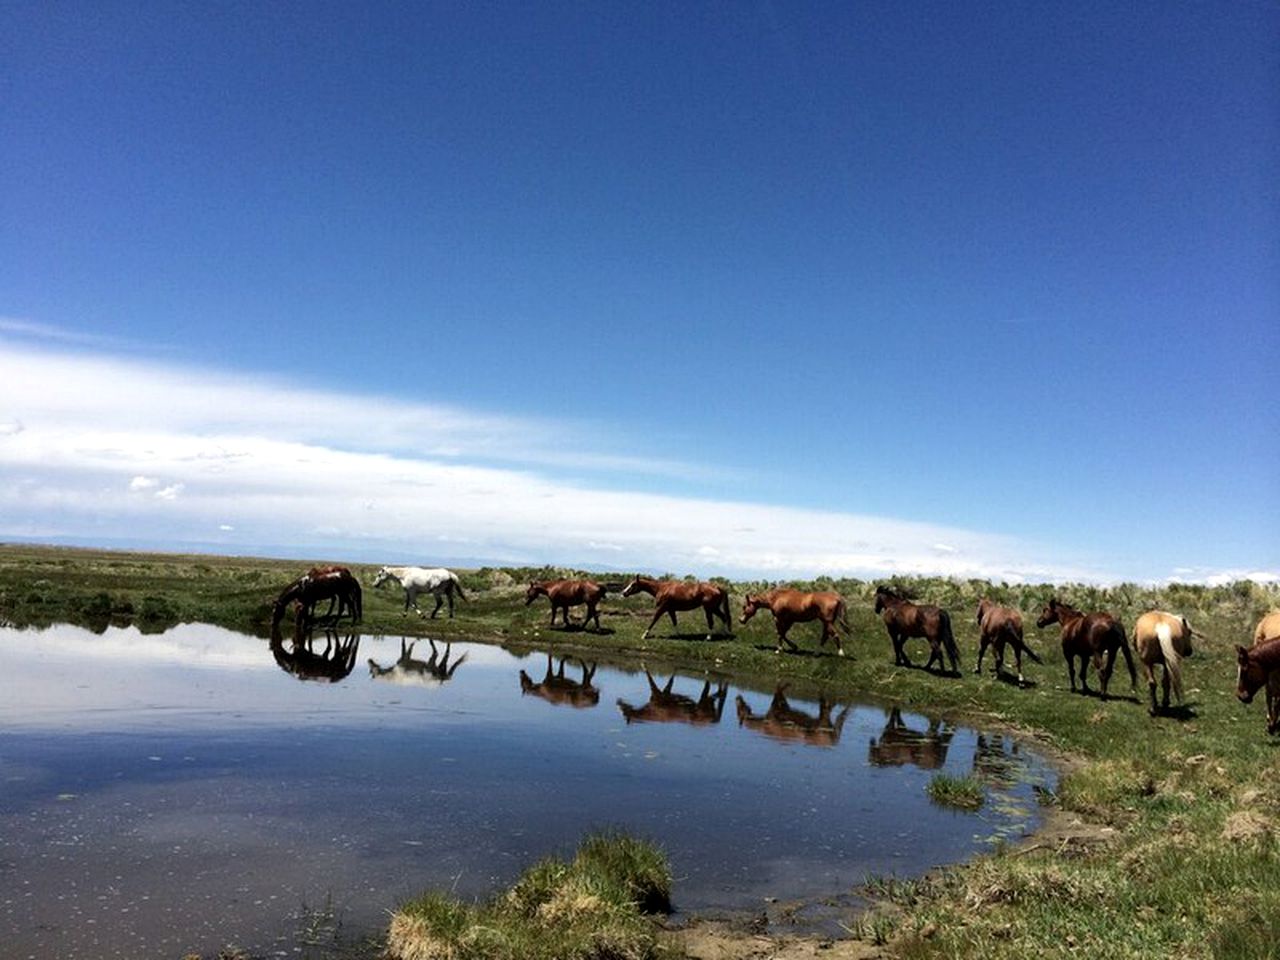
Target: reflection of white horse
(415,580)
(419,673)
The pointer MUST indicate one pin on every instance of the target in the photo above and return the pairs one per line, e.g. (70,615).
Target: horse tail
(457,585)
(949,638)
(1128,657)
(842,615)
(1172,659)
(1030,653)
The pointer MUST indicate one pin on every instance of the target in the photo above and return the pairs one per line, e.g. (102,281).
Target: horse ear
(1242,655)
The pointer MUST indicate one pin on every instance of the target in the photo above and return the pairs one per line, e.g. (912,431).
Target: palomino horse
(564,594)
(1162,639)
(667,707)
(900,745)
(786,724)
(672,595)
(412,672)
(303,662)
(1257,667)
(1001,626)
(558,689)
(1088,636)
(795,606)
(904,619)
(335,584)
(437,581)
(1268,628)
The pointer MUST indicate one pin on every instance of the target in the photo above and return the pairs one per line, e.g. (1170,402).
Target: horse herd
(1160,639)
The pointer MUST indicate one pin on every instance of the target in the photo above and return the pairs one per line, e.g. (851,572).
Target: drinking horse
(904,619)
(564,594)
(437,581)
(795,606)
(1088,636)
(1162,639)
(1000,626)
(673,595)
(335,584)
(1257,667)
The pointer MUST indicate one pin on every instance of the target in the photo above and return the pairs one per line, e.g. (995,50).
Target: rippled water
(160,794)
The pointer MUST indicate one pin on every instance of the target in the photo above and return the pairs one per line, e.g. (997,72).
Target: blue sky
(751,288)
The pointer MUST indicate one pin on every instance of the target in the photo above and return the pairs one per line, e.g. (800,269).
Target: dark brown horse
(1257,667)
(795,606)
(786,724)
(900,745)
(303,662)
(667,707)
(904,619)
(556,688)
(564,594)
(1088,636)
(671,596)
(335,584)
(1000,627)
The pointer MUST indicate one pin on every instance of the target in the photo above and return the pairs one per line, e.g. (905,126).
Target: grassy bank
(1163,832)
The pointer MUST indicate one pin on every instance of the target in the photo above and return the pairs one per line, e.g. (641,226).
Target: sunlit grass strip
(960,793)
(591,908)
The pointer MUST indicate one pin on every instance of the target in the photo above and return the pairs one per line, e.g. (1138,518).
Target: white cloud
(143,483)
(225,527)
(10,427)
(170,492)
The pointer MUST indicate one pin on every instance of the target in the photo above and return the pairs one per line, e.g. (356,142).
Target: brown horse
(667,707)
(786,724)
(556,688)
(303,662)
(904,619)
(1162,639)
(1268,628)
(1088,636)
(900,745)
(795,606)
(335,584)
(676,595)
(1257,667)
(1001,626)
(564,594)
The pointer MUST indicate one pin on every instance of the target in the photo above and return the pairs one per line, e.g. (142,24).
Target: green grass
(962,793)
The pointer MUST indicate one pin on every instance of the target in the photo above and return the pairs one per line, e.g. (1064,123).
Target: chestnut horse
(999,626)
(1257,667)
(1162,639)
(795,606)
(667,707)
(556,688)
(1088,636)
(564,594)
(904,619)
(786,724)
(1268,628)
(672,595)
(335,584)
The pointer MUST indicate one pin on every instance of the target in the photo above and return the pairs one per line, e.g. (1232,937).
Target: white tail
(1172,659)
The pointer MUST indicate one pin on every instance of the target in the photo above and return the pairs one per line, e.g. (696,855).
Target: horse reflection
(418,673)
(997,759)
(900,745)
(556,688)
(330,666)
(786,724)
(667,707)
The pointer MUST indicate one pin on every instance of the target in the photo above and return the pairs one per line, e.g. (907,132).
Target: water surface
(160,794)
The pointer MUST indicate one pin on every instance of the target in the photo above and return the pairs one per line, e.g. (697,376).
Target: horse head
(382,576)
(632,588)
(1049,614)
(1250,676)
(535,590)
(750,605)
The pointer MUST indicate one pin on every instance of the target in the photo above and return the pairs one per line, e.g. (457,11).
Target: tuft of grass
(961,793)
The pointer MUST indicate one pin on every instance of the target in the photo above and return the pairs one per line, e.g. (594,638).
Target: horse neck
(648,584)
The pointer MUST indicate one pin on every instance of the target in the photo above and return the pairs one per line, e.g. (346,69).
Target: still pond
(168,793)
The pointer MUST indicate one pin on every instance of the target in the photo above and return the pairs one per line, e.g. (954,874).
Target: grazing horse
(320,583)
(437,581)
(558,689)
(999,626)
(1162,639)
(564,594)
(900,745)
(786,724)
(795,606)
(1088,636)
(904,619)
(1257,667)
(409,671)
(667,707)
(672,595)
(1268,628)
(303,662)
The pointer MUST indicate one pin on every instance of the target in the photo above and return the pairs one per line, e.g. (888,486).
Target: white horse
(408,671)
(415,580)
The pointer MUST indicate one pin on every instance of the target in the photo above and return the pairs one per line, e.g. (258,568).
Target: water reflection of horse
(1257,667)
(996,759)
(904,619)
(1162,639)
(671,596)
(335,584)
(303,662)
(786,724)
(564,594)
(1001,626)
(558,689)
(439,582)
(900,745)
(1088,636)
(667,707)
(419,673)
(795,606)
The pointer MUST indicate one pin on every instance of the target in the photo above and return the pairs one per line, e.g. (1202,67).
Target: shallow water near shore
(178,792)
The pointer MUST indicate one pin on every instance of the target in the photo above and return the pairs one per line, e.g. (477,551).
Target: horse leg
(439,604)
(982,649)
(592,614)
(448,592)
(711,624)
(1105,672)
(1071,671)
(782,636)
(829,628)
(1017,655)
(1165,682)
